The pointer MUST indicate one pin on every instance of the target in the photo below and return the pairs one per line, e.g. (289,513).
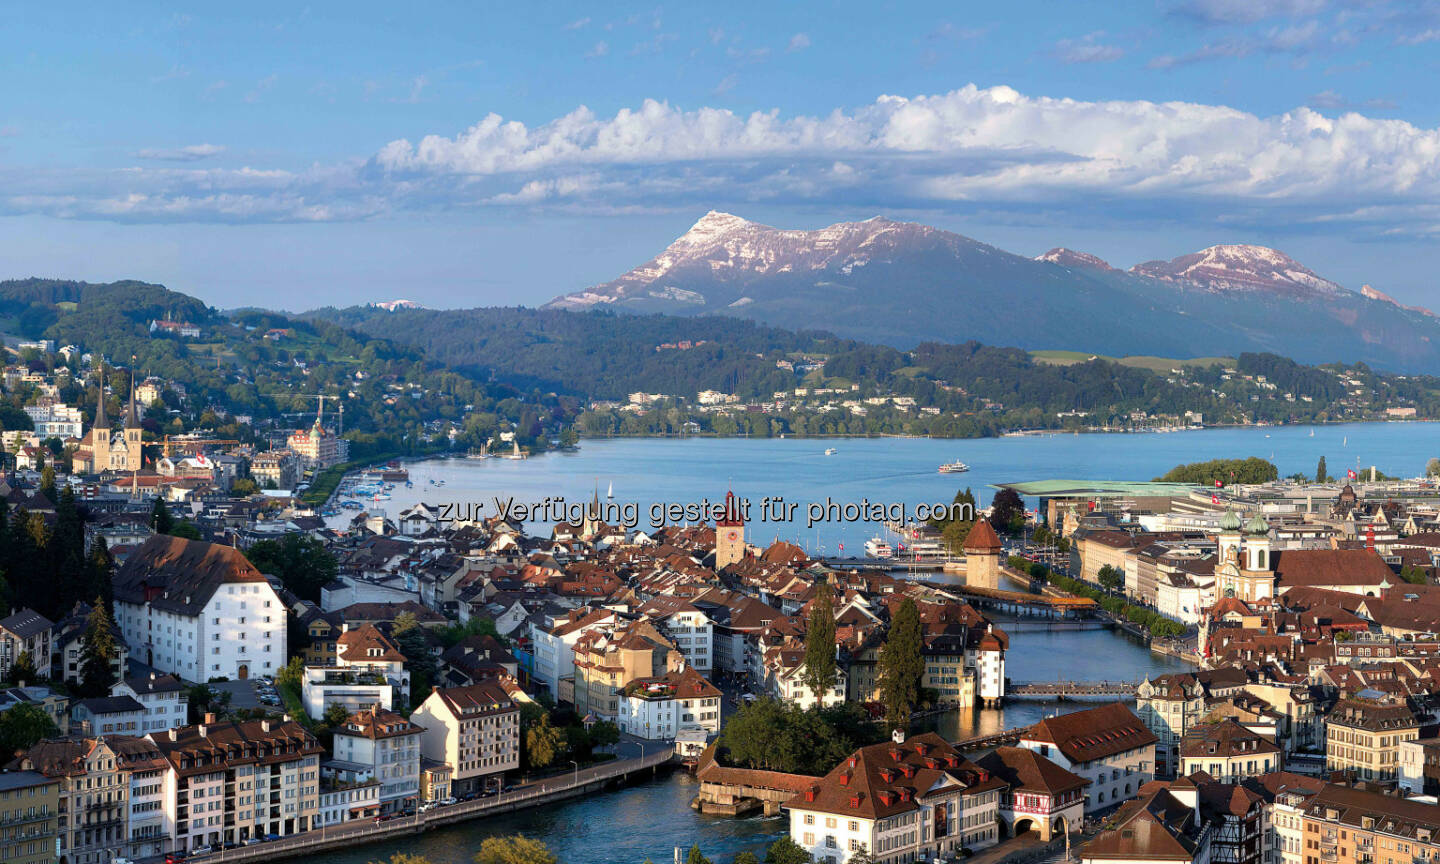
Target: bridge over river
(1063,690)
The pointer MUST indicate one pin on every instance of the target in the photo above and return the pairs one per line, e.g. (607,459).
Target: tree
(243,488)
(102,569)
(303,563)
(1321,475)
(901,666)
(746,857)
(1432,467)
(603,734)
(516,849)
(1412,574)
(786,851)
(543,743)
(695,857)
(22,726)
(336,714)
(1007,512)
(861,856)
(410,637)
(1110,578)
(293,675)
(97,649)
(24,669)
(819,672)
(160,519)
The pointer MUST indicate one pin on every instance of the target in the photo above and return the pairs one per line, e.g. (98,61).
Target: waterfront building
(659,708)
(1107,745)
(1227,752)
(379,744)
(475,730)
(1363,735)
(982,550)
(318,447)
(199,611)
(687,626)
(344,801)
(899,801)
(228,782)
(29,817)
(1364,824)
(1040,796)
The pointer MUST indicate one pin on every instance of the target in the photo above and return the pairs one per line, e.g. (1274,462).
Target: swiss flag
(1214,499)
(1217,484)
(1351,474)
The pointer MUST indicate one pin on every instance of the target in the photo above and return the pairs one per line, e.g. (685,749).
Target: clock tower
(729,534)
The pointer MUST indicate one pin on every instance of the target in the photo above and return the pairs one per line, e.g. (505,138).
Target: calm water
(644,472)
(647,820)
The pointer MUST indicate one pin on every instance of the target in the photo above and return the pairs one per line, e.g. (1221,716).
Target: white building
(379,744)
(555,644)
(164,697)
(688,627)
(475,730)
(903,801)
(1107,745)
(199,611)
(55,421)
(658,708)
(346,802)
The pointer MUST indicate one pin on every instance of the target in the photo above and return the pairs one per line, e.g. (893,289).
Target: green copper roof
(1230,521)
(1096,488)
(1257,525)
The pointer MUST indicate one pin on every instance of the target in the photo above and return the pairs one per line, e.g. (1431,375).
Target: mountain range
(903,283)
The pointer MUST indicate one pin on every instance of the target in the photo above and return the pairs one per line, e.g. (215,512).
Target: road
(537,792)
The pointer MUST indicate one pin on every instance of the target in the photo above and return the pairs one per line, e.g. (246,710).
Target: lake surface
(645,472)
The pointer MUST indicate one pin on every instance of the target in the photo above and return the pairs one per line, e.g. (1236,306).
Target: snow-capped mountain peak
(1241,267)
(1072,258)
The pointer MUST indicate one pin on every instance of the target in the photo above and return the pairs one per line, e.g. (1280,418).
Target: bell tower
(729,534)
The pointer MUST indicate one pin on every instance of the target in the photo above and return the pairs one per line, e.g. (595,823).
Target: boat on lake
(956,467)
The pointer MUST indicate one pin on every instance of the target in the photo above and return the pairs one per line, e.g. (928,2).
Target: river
(649,819)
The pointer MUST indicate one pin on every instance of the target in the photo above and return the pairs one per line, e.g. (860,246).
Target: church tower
(729,534)
(134,460)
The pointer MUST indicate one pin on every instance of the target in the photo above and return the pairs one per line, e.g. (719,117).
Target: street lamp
(577,771)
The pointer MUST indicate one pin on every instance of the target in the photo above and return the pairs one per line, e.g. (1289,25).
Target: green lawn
(1154,364)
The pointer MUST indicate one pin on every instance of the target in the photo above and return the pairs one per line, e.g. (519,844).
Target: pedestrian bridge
(1063,690)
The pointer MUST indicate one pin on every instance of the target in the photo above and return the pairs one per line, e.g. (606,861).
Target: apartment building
(475,730)
(29,817)
(93,795)
(1170,705)
(899,801)
(232,781)
(379,744)
(608,658)
(164,699)
(1362,825)
(1228,752)
(658,708)
(1363,735)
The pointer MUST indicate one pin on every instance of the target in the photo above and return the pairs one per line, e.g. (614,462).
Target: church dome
(1230,521)
(1257,526)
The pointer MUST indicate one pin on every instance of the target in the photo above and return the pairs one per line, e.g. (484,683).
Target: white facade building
(164,697)
(658,708)
(199,611)
(388,747)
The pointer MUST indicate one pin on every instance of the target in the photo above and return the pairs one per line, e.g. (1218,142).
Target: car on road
(174,857)
(427,807)
(447,801)
(269,837)
(253,841)
(122,860)
(200,850)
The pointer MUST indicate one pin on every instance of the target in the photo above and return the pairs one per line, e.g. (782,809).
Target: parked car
(174,857)
(269,837)
(253,840)
(200,850)
(447,801)
(427,807)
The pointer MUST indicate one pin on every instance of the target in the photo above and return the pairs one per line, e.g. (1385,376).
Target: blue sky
(476,154)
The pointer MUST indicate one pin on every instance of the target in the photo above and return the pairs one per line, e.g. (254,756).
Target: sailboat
(1312,433)
(610,492)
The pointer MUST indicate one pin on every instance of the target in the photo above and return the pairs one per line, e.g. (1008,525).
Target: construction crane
(180,443)
(320,399)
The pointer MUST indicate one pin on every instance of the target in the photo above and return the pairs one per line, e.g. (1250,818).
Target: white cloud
(799,42)
(1088,49)
(972,150)
(1248,11)
(578,24)
(188,153)
(600,49)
